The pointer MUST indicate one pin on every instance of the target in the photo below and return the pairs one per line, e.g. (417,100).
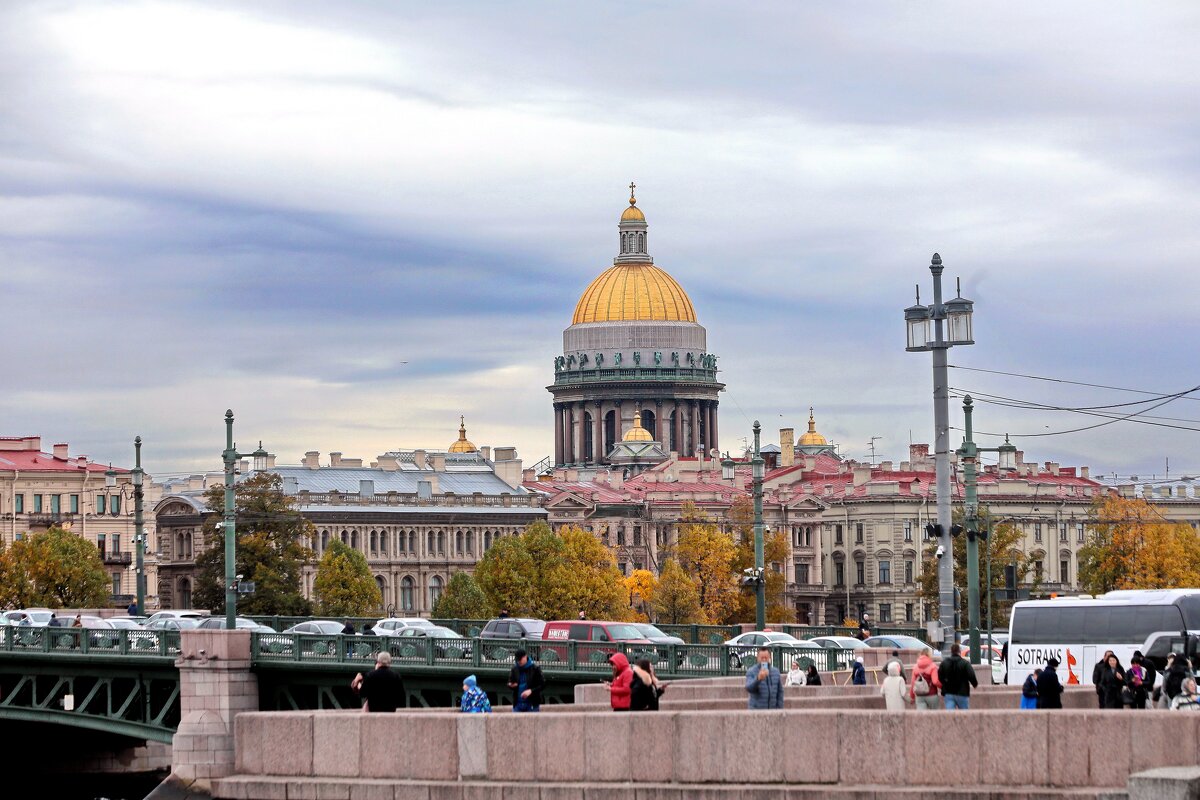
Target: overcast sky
(352,222)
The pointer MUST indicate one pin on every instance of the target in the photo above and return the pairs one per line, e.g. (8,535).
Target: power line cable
(1030,406)
(1060,380)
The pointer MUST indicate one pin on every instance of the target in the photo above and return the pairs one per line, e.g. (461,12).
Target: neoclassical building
(418,516)
(633,345)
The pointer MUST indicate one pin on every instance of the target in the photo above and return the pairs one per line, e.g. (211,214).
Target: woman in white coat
(894,690)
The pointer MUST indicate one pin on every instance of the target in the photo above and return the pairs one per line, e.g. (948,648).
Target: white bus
(1077,631)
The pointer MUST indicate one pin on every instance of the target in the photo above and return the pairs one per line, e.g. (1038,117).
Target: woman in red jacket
(620,686)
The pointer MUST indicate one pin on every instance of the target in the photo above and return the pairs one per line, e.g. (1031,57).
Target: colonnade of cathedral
(585,431)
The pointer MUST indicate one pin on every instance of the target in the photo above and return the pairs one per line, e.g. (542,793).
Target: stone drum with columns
(633,346)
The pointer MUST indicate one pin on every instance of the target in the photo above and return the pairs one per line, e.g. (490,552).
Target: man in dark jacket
(1098,677)
(957,676)
(763,683)
(1049,688)
(526,680)
(381,689)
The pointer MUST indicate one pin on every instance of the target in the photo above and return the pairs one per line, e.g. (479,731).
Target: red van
(598,634)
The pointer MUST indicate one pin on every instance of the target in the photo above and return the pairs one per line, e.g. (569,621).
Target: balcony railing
(118,558)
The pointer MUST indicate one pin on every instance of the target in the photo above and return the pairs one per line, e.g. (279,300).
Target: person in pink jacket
(924,684)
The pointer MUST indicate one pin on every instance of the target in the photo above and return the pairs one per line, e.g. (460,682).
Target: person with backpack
(858,673)
(924,685)
(1049,687)
(1029,692)
(957,677)
(646,687)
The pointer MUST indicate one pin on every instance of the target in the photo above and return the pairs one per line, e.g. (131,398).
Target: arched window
(382,584)
(435,590)
(458,542)
(324,540)
(641,242)
(180,552)
(374,542)
(406,593)
(383,541)
(470,543)
(354,539)
(412,542)
(441,542)
(185,594)
(345,537)
(430,543)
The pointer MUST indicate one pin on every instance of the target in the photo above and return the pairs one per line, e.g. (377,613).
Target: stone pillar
(716,439)
(694,438)
(569,439)
(215,685)
(677,415)
(659,435)
(559,452)
(598,454)
(578,410)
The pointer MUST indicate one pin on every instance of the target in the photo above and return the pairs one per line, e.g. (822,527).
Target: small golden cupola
(463,445)
(812,437)
(637,433)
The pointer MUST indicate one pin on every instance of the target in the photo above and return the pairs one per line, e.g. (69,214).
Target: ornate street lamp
(139,535)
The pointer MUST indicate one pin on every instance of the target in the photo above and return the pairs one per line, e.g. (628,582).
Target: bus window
(1095,626)
(1122,626)
(1071,624)
(1045,627)
(1022,626)
(1158,618)
(1190,605)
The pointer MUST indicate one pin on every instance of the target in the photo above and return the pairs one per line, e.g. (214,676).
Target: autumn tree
(1131,546)
(272,549)
(775,551)
(550,575)
(676,597)
(1004,544)
(344,585)
(640,586)
(53,569)
(706,553)
(462,599)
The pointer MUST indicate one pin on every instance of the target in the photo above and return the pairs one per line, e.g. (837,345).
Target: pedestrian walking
(527,682)
(381,689)
(646,687)
(957,676)
(763,683)
(924,686)
(131,609)
(1134,694)
(895,659)
(78,623)
(1178,670)
(812,677)
(1149,679)
(1098,677)
(895,698)
(621,686)
(1112,683)
(795,676)
(858,673)
(348,630)
(474,699)
(1049,687)
(1029,692)
(1187,699)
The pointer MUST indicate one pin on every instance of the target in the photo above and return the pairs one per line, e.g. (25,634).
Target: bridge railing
(89,641)
(565,655)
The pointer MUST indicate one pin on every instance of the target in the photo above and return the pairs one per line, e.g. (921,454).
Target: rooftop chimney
(312,459)
(60,451)
(335,459)
(918,452)
(437,462)
(419,459)
(787,447)
(388,463)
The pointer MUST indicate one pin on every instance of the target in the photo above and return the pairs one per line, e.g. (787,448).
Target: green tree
(53,569)
(344,586)
(462,599)
(775,551)
(676,597)
(272,549)
(1004,544)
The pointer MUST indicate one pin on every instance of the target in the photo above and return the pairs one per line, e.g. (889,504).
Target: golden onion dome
(812,437)
(637,433)
(631,292)
(463,445)
(633,213)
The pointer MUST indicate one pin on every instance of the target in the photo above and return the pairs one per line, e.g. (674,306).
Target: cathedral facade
(635,361)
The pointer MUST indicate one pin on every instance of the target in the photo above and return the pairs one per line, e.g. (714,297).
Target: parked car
(320,637)
(318,627)
(172,623)
(511,629)
(746,646)
(139,639)
(240,623)
(599,636)
(393,625)
(844,645)
(900,642)
(29,617)
(173,614)
(415,641)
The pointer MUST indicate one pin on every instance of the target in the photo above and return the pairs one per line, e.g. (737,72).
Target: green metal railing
(89,641)
(810,631)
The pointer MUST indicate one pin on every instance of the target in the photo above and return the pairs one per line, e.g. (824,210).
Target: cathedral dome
(631,292)
(812,438)
(637,433)
(463,445)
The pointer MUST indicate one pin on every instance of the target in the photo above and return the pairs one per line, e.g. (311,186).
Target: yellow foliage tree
(706,553)
(640,585)
(1131,546)
(775,551)
(676,598)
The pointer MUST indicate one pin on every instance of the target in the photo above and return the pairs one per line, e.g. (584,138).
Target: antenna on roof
(871,444)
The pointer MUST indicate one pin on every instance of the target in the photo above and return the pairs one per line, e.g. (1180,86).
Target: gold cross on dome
(632,198)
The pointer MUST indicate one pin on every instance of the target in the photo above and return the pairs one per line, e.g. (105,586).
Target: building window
(623,567)
(114,505)
(406,594)
(116,583)
(858,533)
(74,504)
(808,536)
(37,504)
(908,612)
(20,503)
(1064,569)
(637,534)
(885,612)
(101,502)
(620,536)
(637,565)
(100,544)
(860,571)
(908,531)
(1079,532)
(435,590)
(116,543)
(839,573)
(1037,571)
(1037,531)
(837,534)
(908,571)
(1062,532)
(56,504)
(383,541)
(885,571)
(802,574)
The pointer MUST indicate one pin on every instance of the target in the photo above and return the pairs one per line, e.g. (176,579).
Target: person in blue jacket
(763,683)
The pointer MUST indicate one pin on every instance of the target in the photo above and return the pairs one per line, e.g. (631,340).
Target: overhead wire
(1061,380)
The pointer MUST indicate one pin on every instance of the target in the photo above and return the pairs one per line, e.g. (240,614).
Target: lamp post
(230,457)
(760,588)
(969,453)
(139,535)
(951,326)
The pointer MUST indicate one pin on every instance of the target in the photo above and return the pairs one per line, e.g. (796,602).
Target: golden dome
(633,213)
(637,433)
(812,437)
(463,445)
(629,292)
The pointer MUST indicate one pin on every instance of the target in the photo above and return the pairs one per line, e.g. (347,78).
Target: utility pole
(230,456)
(760,588)
(139,534)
